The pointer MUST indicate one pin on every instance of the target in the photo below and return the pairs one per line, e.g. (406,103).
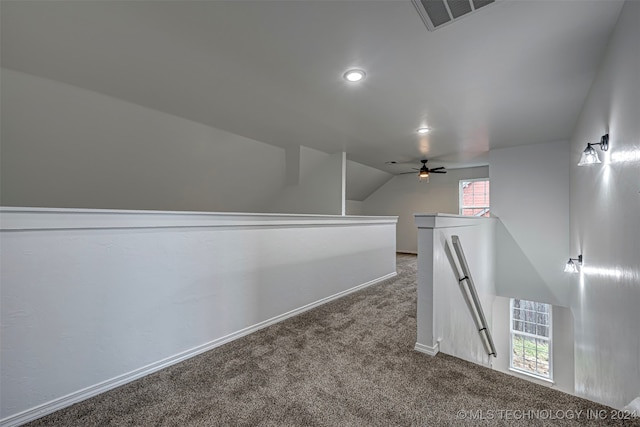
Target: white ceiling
(516,72)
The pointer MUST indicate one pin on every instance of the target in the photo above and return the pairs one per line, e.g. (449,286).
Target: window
(531,337)
(474,197)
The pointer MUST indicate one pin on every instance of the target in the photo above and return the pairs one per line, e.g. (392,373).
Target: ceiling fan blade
(406,173)
(401,163)
(434,171)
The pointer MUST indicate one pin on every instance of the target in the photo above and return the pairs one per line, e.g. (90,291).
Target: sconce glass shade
(589,156)
(571,267)
(572,264)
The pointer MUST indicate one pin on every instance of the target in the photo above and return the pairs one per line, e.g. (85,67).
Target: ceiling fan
(424,171)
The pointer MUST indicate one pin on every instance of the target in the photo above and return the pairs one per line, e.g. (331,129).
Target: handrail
(482,321)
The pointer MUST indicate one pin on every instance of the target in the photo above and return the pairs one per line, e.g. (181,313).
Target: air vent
(436,13)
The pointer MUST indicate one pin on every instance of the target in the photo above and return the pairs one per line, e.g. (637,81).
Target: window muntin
(474,197)
(531,338)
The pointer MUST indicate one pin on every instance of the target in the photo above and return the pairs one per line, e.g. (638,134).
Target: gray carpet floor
(347,363)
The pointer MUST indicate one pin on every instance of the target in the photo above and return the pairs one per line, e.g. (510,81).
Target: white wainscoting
(93,299)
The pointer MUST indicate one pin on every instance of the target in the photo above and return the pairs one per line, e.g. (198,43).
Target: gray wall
(354,207)
(530,198)
(605,225)
(405,196)
(363,180)
(63,146)
(319,186)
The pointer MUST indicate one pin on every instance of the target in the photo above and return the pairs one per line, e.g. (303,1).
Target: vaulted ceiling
(515,72)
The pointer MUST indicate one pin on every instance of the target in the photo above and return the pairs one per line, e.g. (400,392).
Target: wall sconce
(571,266)
(589,155)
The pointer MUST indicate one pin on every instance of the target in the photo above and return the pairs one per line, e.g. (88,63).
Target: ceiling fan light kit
(424,172)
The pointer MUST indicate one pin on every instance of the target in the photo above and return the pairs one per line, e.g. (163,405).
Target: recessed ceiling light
(354,75)
(423,130)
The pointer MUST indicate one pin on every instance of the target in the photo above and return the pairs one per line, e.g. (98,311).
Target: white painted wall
(605,225)
(444,319)
(363,180)
(562,346)
(93,299)
(63,146)
(319,189)
(530,198)
(404,196)
(354,207)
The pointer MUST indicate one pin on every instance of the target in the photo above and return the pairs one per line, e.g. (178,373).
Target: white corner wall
(320,188)
(444,318)
(63,146)
(354,207)
(404,196)
(530,198)
(363,180)
(92,299)
(605,225)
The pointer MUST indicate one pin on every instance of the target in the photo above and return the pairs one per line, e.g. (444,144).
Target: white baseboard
(431,351)
(88,392)
(633,407)
(407,252)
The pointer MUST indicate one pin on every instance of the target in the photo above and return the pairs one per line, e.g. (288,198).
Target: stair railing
(478,313)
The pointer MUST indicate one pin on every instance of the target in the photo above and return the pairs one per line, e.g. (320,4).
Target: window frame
(549,340)
(461,206)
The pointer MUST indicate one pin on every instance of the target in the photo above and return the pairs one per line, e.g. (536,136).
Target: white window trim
(461,193)
(527,374)
(549,340)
